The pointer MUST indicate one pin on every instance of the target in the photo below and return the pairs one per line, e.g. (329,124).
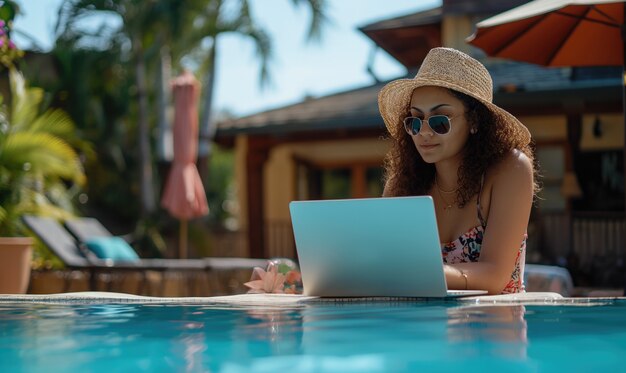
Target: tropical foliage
(114,83)
(40,172)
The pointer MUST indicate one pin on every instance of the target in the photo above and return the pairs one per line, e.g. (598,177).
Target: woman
(473,158)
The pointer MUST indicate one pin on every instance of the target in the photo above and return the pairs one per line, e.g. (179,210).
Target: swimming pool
(401,336)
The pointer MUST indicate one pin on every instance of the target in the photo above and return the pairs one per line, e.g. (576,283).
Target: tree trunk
(165,146)
(207,127)
(145,153)
(164,143)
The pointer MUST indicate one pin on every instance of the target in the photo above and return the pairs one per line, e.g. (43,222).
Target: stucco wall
(279,182)
(546,128)
(610,136)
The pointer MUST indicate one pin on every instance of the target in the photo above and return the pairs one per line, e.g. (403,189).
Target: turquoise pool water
(350,337)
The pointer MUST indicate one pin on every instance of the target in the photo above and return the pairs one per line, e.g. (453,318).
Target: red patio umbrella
(558,33)
(184,195)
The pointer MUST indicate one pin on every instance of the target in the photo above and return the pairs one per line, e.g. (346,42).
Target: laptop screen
(369,247)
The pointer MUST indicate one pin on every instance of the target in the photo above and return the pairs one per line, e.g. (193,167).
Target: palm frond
(42,153)
(245,26)
(25,102)
(318,17)
(55,122)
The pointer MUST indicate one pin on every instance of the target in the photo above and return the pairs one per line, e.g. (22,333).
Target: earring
(473,131)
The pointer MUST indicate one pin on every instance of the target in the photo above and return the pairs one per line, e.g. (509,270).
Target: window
(358,180)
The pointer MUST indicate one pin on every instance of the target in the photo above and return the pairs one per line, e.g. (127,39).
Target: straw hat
(448,68)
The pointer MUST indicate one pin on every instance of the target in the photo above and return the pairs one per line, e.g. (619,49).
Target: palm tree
(39,169)
(139,24)
(169,30)
(214,23)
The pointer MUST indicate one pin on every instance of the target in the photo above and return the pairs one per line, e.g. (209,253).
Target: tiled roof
(350,109)
(529,77)
(525,76)
(358,108)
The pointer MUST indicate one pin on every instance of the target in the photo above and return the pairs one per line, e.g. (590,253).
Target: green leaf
(41,153)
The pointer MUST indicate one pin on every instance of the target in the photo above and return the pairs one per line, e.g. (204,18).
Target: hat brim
(394,100)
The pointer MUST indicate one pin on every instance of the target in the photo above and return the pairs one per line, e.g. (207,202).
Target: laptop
(372,247)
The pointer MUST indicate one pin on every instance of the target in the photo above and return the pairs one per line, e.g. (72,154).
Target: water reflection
(375,336)
(504,326)
(336,337)
(193,350)
(280,328)
(413,331)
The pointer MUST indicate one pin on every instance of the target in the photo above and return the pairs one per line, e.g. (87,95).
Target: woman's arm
(509,212)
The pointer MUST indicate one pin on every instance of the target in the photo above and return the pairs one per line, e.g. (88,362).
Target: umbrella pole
(624,109)
(624,96)
(624,114)
(182,240)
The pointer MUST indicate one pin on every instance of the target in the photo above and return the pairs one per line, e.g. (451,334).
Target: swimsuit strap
(480,191)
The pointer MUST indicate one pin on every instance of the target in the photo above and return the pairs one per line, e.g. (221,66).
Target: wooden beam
(358,182)
(255,161)
(270,140)
(574,134)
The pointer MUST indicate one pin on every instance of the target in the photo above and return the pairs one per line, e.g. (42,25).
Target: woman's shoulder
(516,157)
(515,166)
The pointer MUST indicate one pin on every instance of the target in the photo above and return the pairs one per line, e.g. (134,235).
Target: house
(333,146)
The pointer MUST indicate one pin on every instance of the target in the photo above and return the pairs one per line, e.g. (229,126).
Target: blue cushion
(111,248)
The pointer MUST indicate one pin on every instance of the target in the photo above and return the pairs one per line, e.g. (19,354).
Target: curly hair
(407,174)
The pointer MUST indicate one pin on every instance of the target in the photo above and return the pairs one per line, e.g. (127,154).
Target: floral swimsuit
(467,249)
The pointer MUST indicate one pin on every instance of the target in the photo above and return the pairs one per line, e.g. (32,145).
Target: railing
(599,245)
(226,243)
(549,238)
(592,245)
(279,241)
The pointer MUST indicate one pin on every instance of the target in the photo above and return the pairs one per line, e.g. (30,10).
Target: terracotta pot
(15,260)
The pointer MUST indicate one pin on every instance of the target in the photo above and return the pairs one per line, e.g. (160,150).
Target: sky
(297,70)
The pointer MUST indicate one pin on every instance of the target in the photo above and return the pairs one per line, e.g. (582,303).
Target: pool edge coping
(282,300)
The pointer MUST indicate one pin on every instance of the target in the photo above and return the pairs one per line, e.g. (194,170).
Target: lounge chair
(76,257)
(547,278)
(85,228)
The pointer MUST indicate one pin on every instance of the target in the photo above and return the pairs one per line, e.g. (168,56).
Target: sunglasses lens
(412,125)
(439,124)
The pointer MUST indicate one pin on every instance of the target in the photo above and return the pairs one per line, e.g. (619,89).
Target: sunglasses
(440,124)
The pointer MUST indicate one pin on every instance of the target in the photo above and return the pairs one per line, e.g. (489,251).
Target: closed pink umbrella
(184,194)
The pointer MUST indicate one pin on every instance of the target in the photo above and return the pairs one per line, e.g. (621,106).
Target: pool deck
(289,300)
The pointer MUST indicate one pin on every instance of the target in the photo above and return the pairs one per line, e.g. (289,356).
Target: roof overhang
(408,38)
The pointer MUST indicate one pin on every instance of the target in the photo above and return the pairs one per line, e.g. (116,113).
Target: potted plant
(39,173)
